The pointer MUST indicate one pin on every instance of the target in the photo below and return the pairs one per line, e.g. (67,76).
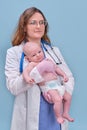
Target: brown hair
(20,35)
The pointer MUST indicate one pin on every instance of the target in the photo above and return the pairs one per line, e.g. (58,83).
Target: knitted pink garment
(46,66)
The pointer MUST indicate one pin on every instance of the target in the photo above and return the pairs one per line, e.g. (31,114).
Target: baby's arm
(26,72)
(61,73)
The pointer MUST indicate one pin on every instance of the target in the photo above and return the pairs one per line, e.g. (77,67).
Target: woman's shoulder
(15,49)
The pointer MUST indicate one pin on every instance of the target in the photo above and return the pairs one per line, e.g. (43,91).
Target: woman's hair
(20,34)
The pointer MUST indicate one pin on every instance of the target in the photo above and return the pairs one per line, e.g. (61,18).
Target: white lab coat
(27,98)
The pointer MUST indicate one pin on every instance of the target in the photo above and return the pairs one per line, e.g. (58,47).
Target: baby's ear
(26,58)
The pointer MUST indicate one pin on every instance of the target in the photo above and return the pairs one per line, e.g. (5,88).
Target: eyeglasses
(35,23)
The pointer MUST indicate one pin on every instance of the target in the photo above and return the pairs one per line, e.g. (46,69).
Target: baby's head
(33,52)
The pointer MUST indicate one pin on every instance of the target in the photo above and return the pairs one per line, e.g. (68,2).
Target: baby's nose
(38,54)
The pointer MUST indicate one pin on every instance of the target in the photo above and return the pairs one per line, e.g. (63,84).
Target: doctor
(31,111)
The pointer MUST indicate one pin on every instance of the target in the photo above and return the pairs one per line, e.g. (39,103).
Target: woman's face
(35,27)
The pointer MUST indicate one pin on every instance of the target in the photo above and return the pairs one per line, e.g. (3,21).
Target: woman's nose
(38,25)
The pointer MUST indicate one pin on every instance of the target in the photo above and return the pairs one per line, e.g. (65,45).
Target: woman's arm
(14,80)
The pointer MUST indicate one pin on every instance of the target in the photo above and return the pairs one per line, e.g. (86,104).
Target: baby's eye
(33,55)
(39,51)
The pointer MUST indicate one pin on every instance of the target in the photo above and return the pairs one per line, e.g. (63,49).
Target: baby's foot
(68,117)
(60,120)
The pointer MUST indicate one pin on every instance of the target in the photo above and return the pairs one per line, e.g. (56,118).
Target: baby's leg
(57,101)
(66,106)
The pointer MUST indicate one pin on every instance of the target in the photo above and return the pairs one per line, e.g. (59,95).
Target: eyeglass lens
(41,22)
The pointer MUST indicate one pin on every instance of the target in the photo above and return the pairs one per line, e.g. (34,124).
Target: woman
(31,111)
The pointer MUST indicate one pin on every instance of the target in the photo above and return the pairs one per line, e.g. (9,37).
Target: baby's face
(36,54)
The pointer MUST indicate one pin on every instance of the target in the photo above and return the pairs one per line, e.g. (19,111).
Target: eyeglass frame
(35,23)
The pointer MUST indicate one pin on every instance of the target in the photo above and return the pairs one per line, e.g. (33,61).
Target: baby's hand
(30,80)
(65,78)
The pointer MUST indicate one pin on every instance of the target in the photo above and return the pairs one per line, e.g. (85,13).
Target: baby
(45,73)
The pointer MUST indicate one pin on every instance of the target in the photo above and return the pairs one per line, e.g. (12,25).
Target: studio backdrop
(67,30)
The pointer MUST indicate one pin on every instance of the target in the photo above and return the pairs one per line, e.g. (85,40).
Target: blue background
(68,30)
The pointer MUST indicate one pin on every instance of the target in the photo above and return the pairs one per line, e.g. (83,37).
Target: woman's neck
(34,40)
